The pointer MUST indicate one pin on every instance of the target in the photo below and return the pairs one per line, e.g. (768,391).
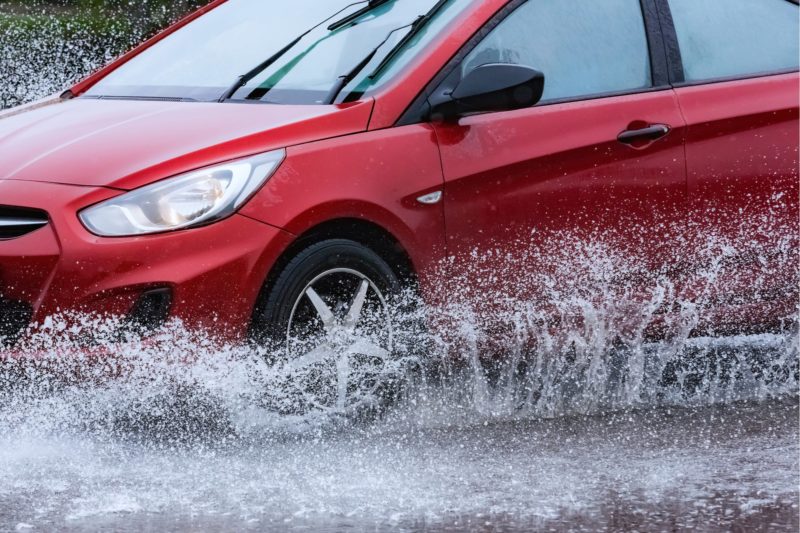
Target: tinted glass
(203,59)
(727,38)
(583,47)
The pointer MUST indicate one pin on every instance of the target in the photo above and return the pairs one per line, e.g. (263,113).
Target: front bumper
(213,274)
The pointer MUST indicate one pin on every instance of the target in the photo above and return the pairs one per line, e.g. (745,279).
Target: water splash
(586,345)
(47,48)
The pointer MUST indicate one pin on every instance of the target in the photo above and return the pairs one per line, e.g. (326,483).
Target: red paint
(374,176)
(742,160)
(215,271)
(559,167)
(126,144)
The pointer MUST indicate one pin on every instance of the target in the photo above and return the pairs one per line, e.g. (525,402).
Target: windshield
(205,59)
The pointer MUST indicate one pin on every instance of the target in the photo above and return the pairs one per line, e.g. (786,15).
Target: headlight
(192,199)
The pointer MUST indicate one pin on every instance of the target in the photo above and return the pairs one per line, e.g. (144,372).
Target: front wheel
(328,322)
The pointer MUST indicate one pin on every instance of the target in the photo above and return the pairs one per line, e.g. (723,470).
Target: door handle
(647,135)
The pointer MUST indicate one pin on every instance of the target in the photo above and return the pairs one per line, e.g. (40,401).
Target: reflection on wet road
(713,468)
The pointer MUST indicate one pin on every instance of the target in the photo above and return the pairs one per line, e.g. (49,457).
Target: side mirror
(491,87)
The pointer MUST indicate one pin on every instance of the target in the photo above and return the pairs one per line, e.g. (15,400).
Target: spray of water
(583,344)
(46,48)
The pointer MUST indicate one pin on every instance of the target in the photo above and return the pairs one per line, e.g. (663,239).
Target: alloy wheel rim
(339,337)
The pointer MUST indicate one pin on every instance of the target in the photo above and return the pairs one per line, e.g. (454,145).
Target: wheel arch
(365,232)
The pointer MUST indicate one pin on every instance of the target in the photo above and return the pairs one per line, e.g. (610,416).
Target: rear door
(735,64)
(591,180)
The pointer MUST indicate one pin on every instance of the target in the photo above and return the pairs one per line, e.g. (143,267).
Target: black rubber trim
(598,96)
(15,316)
(151,311)
(670,39)
(659,64)
(449,76)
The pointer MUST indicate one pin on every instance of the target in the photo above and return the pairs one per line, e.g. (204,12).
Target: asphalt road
(729,467)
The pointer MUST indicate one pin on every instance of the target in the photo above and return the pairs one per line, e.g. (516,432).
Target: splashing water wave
(45,49)
(583,347)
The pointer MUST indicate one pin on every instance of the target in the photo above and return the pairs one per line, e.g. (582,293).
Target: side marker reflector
(430,199)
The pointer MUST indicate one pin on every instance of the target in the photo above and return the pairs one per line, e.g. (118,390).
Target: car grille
(18,221)
(14,318)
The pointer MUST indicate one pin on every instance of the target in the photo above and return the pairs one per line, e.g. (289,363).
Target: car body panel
(375,177)
(742,159)
(524,176)
(62,267)
(127,144)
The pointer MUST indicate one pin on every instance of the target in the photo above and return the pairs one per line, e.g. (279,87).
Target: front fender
(374,176)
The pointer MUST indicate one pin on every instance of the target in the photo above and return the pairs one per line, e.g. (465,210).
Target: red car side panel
(560,168)
(373,176)
(742,158)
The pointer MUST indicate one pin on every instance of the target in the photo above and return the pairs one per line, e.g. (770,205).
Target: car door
(589,183)
(738,88)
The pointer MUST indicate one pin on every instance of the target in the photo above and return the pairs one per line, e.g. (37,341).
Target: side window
(583,47)
(727,38)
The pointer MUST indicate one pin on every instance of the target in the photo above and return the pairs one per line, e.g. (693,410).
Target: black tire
(377,379)
(272,318)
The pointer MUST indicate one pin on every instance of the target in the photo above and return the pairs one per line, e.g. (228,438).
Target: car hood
(125,144)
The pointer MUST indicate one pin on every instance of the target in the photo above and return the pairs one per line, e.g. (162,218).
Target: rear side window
(583,47)
(730,38)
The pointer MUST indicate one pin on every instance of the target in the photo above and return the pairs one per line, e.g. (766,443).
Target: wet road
(731,467)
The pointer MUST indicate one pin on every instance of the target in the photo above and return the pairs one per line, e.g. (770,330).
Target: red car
(276,168)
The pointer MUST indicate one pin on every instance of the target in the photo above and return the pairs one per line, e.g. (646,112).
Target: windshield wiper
(416,27)
(242,80)
(342,81)
(353,16)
